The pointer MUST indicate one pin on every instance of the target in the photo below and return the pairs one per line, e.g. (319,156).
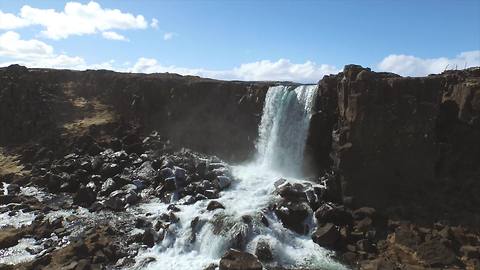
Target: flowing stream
(282,134)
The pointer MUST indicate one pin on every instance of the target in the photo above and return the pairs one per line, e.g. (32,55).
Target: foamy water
(251,194)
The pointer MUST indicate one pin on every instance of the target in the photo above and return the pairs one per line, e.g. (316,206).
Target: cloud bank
(36,53)
(408,65)
(265,70)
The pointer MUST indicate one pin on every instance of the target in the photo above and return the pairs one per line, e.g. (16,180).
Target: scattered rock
(293,215)
(238,260)
(263,251)
(85,196)
(214,205)
(435,253)
(326,235)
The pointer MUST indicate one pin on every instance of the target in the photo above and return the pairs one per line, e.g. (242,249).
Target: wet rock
(148,237)
(214,205)
(238,260)
(110,170)
(292,192)
(13,189)
(108,186)
(180,177)
(326,235)
(329,213)
(115,204)
(146,172)
(166,172)
(435,253)
(85,196)
(54,183)
(10,237)
(132,198)
(139,184)
(212,266)
(263,251)
(173,208)
(292,215)
(187,200)
(223,182)
(280,182)
(170,184)
(211,193)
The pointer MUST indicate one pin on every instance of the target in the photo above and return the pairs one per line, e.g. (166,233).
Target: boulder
(223,182)
(10,237)
(326,235)
(85,196)
(238,260)
(148,237)
(435,253)
(407,237)
(329,213)
(115,204)
(110,169)
(214,205)
(292,215)
(263,251)
(108,186)
(291,192)
(170,184)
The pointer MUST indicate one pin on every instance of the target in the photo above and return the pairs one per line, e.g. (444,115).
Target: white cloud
(407,65)
(281,70)
(154,23)
(34,53)
(10,21)
(75,19)
(168,35)
(114,36)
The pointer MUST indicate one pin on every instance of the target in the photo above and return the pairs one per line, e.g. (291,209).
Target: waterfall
(282,134)
(284,127)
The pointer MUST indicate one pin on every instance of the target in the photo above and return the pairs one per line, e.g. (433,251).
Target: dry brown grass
(100,115)
(10,164)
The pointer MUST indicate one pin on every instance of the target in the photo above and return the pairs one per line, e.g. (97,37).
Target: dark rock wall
(216,117)
(397,139)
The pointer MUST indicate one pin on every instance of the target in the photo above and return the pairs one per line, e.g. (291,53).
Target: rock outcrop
(396,140)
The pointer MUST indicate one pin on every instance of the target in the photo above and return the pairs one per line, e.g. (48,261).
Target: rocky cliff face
(390,140)
(397,139)
(207,115)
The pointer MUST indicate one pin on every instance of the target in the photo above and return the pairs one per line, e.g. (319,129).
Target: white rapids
(283,131)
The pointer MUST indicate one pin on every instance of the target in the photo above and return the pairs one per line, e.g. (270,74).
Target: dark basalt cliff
(391,140)
(207,115)
(413,143)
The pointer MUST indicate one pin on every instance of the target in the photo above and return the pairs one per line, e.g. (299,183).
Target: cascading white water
(284,128)
(283,132)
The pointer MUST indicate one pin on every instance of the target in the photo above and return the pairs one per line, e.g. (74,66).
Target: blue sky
(292,40)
